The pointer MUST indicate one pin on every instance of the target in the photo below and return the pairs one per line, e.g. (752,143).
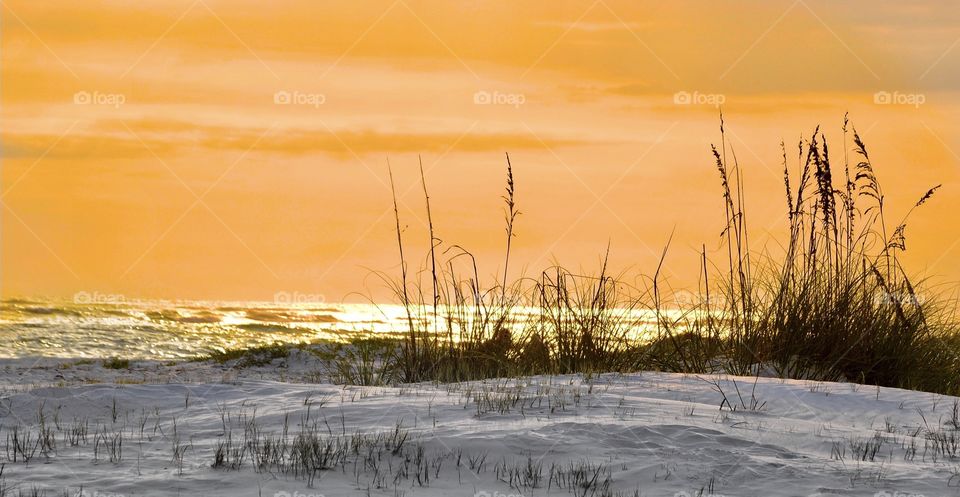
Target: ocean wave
(61,311)
(270,327)
(283,316)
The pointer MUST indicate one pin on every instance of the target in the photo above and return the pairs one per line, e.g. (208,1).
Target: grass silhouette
(836,305)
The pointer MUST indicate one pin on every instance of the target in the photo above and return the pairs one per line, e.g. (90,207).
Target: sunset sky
(213,149)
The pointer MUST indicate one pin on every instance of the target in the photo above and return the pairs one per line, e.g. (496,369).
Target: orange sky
(145,152)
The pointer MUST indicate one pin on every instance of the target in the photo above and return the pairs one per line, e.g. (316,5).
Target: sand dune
(643,434)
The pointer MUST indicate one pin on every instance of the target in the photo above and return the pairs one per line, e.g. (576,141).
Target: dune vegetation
(836,305)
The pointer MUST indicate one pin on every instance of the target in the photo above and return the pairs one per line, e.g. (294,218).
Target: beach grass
(116,363)
(248,356)
(836,304)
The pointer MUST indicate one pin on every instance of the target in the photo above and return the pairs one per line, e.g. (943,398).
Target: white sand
(661,434)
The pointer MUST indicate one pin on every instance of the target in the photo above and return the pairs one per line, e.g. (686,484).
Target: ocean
(162,329)
(158,329)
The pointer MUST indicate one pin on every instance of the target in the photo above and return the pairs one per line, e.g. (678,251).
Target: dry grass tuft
(835,305)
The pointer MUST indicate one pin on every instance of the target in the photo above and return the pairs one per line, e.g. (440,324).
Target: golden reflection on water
(176,330)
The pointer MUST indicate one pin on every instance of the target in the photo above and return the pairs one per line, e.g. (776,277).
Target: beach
(646,434)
